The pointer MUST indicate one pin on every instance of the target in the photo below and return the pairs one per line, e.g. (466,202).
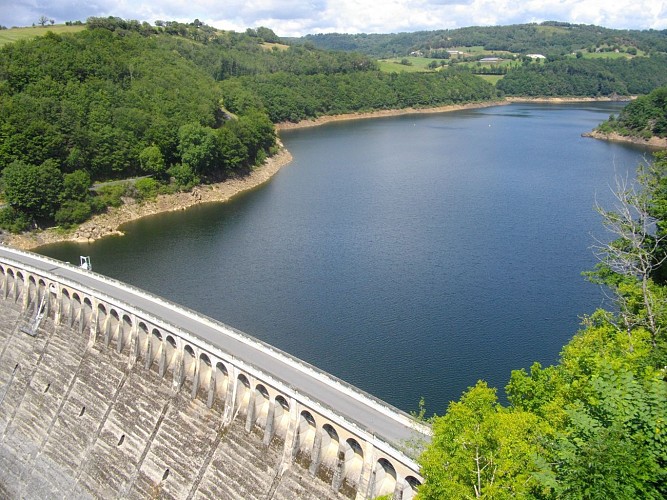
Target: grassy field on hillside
(14,34)
(394,65)
(606,55)
(271,46)
(493,79)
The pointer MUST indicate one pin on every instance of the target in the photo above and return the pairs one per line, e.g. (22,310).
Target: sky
(302,17)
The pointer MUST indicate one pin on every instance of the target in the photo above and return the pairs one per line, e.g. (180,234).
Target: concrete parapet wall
(107,400)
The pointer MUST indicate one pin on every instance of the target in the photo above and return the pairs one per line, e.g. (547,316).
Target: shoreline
(383,113)
(653,142)
(109,223)
(322,120)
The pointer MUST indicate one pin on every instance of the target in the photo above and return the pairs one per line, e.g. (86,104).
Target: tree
(32,189)
(482,450)
(267,35)
(607,402)
(199,148)
(614,440)
(152,161)
(255,132)
(76,186)
(73,212)
(183,176)
(233,152)
(633,256)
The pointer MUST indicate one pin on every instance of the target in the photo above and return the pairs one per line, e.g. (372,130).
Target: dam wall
(99,400)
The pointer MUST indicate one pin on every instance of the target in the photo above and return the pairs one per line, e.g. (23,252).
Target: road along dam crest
(108,391)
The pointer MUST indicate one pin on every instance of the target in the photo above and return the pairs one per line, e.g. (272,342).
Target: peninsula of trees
(644,117)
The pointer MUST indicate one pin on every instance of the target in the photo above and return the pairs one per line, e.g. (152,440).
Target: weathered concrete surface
(77,421)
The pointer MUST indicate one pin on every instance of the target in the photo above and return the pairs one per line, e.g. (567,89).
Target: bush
(97,205)
(168,189)
(260,158)
(73,212)
(183,176)
(33,189)
(14,220)
(152,161)
(76,186)
(146,188)
(110,195)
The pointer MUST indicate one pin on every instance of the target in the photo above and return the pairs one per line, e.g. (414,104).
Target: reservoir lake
(409,255)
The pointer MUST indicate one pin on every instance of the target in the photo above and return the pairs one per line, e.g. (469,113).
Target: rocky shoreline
(109,223)
(439,109)
(385,113)
(653,142)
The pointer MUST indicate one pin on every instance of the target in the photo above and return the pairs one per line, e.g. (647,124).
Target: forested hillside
(587,77)
(549,38)
(181,103)
(110,104)
(644,117)
(546,60)
(289,97)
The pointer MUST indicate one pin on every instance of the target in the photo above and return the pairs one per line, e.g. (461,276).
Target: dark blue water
(410,256)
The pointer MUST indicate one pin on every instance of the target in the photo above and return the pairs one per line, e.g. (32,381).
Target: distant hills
(549,38)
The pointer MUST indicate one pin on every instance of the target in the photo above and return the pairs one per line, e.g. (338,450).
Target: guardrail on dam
(106,390)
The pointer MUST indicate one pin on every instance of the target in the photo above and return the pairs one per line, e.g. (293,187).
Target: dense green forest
(549,38)
(644,117)
(594,426)
(181,103)
(289,97)
(104,104)
(587,77)
(124,99)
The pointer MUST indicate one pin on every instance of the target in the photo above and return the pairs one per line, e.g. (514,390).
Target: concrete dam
(107,391)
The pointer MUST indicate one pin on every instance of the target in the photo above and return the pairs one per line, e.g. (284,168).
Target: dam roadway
(370,414)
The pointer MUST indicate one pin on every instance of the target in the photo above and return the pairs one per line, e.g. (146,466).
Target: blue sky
(300,17)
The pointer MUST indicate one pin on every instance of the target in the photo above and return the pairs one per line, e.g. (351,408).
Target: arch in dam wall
(327,445)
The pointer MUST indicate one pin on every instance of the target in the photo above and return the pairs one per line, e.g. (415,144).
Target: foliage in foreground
(595,424)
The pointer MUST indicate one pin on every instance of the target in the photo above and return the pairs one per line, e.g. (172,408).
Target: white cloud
(297,17)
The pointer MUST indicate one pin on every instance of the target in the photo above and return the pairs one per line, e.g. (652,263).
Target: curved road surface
(390,426)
